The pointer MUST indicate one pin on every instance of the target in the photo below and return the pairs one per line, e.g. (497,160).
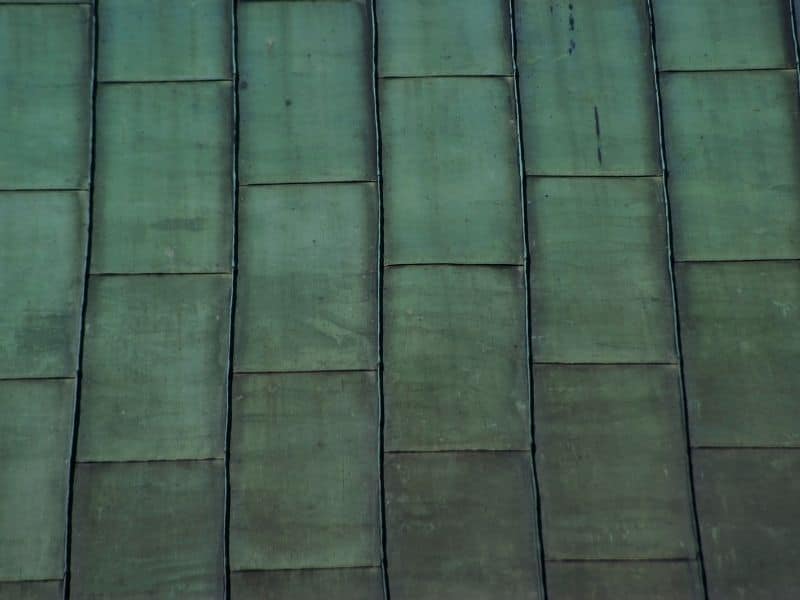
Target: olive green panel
(42,247)
(35,445)
(749,519)
(600,286)
(461,526)
(742,34)
(45,104)
(733,146)
(586,85)
(163,182)
(32,590)
(151,40)
(307,295)
(451,176)
(305,92)
(148,530)
(629,580)
(741,350)
(155,360)
(611,459)
(456,374)
(447,37)
(305,471)
(325,584)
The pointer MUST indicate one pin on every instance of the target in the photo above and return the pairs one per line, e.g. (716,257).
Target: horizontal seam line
(316,182)
(301,569)
(159,81)
(305,372)
(525,450)
(149,460)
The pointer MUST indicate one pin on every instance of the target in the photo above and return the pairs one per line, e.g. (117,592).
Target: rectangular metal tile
(35,445)
(749,519)
(631,580)
(155,40)
(305,471)
(461,525)
(611,458)
(733,146)
(163,191)
(456,374)
(42,247)
(600,286)
(155,360)
(31,590)
(447,37)
(451,176)
(45,67)
(148,530)
(741,34)
(307,296)
(305,94)
(324,584)
(586,84)
(741,350)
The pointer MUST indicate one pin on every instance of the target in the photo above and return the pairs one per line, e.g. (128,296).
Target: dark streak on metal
(597,134)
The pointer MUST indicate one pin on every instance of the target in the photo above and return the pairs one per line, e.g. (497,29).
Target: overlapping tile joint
(377,299)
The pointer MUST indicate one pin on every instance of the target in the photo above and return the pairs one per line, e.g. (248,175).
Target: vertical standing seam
(673,286)
(794,24)
(528,313)
(379,272)
(234,273)
(76,408)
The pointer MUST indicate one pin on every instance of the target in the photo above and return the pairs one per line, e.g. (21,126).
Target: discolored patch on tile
(744,34)
(741,351)
(448,37)
(733,146)
(164,183)
(148,530)
(45,67)
(31,590)
(632,580)
(305,471)
(461,526)
(35,445)
(451,176)
(305,92)
(151,40)
(306,584)
(611,459)
(455,374)
(600,284)
(155,360)
(747,505)
(42,247)
(307,295)
(586,85)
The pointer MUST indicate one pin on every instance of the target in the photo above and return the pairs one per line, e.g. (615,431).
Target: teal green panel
(305,95)
(600,285)
(627,580)
(586,85)
(155,365)
(148,530)
(35,445)
(156,40)
(456,374)
(451,176)
(741,352)
(163,192)
(742,34)
(305,471)
(749,519)
(307,296)
(733,146)
(32,590)
(611,458)
(447,37)
(45,69)
(42,247)
(461,526)
(324,584)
